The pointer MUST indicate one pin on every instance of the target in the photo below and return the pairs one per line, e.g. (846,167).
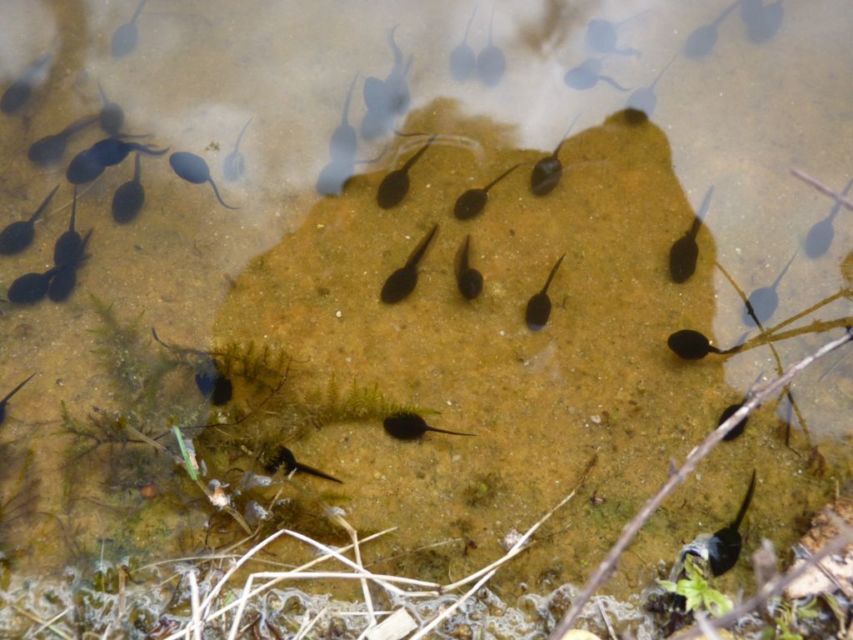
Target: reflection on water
(280,299)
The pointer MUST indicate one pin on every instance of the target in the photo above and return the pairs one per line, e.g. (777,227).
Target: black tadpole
(692,345)
(468,280)
(64,280)
(463,60)
(19,92)
(471,203)
(762,303)
(402,282)
(19,235)
(67,246)
(30,288)
(539,306)
(547,172)
(49,150)
(395,185)
(684,251)
(410,426)
(111,115)
(283,457)
(724,546)
(126,36)
(194,169)
(234,165)
(9,395)
(211,382)
(129,197)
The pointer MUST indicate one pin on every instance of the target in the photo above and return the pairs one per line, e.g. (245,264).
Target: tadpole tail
(420,250)
(745,504)
(784,271)
(219,197)
(44,204)
(408,164)
(73,220)
(316,472)
(501,177)
(613,83)
(139,9)
(16,389)
(468,26)
(452,433)
(702,212)
(553,273)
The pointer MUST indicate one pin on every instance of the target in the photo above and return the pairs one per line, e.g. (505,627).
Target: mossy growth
(483,489)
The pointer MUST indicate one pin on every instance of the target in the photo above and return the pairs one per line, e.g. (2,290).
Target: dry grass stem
(824,189)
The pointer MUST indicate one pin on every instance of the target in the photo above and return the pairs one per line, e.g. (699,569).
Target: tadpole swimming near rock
(547,172)
(491,62)
(702,40)
(18,93)
(463,60)
(9,395)
(234,165)
(67,246)
(194,169)
(471,203)
(820,236)
(722,549)
(468,280)
(283,457)
(402,282)
(126,36)
(588,74)
(645,99)
(395,185)
(762,303)
(539,306)
(410,426)
(693,345)
(18,235)
(50,149)
(129,197)
(684,251)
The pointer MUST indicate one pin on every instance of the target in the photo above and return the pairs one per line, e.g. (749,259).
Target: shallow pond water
(284,291)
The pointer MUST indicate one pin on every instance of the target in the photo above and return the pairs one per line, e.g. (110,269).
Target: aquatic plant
(697,590)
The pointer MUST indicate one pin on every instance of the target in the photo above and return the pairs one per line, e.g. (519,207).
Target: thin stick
(772,588)
(197,623)
(817,184)
(222,611)
(449,611)
(235,627)
(353,534)
(607,624)
(360,570)
(631,529)
(49,623)
(38,620)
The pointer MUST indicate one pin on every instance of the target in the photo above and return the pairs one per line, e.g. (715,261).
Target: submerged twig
(820,186)
(694,457)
